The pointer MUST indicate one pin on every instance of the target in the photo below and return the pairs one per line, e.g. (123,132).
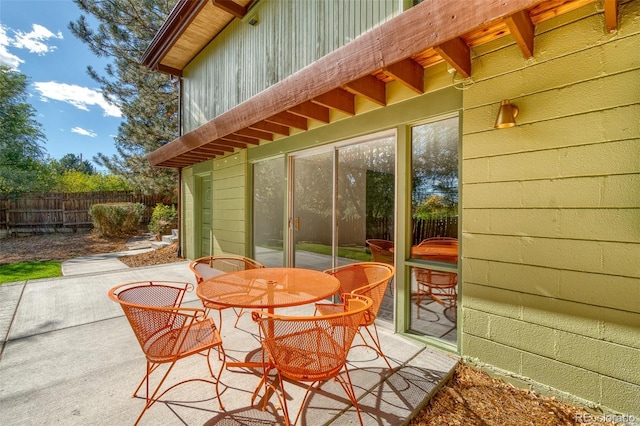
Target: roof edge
(180,17)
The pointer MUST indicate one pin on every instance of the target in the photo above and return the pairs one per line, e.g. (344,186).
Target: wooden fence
(354,232)
(51,212)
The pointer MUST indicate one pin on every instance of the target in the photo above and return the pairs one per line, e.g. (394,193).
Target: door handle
(297,223)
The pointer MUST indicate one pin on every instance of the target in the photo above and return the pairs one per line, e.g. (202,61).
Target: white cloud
(84,132)
(78,96)
(7,58)
(35,41)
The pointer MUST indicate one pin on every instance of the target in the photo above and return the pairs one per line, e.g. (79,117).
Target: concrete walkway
(68,356)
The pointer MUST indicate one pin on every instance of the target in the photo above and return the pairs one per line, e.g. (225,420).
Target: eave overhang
(400,49)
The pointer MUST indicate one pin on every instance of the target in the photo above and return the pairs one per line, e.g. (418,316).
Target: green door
(206,216)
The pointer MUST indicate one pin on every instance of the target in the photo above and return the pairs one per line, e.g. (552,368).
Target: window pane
(434,297)
(434,208)
(268,214)
(434,195)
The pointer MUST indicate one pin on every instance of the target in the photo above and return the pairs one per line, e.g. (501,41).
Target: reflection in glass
(434,297)
(434,195)
(268,212)
(313,210)
(434,212)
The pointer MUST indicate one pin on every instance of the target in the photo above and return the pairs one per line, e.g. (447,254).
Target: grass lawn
(359,254)
(21,271)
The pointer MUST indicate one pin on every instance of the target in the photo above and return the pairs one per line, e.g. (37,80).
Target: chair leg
(155,396)
(376,341)
(150,400)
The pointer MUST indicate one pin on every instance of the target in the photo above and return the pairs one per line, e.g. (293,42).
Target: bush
(163,219)
(117,219)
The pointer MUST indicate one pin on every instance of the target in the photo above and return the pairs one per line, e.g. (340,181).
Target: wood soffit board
(449,35)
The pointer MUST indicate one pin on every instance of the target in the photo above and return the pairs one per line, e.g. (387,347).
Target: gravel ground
(470,398)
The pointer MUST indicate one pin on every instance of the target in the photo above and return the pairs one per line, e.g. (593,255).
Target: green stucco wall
(551,210)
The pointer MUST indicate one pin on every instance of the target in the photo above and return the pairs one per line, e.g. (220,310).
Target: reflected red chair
(211,266)
(439,286)
(166,331)
(367,279)
(310,349)
(381,250)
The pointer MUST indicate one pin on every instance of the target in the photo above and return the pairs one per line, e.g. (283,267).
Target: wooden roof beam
(611,15)
(408,72)
(337,99)
(457,54)
(310,110)
(522,30)
(369,88)
(226,144)
(271,127)
(253,133)
(290,120)
(432,22)
(239,138)
(230,7)
(215,149)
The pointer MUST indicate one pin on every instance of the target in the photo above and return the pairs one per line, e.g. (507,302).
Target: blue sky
(36,41)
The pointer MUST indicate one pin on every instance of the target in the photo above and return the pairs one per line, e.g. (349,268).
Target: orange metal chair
(310,349)
(437,285)
(166,331)
(368,279)
(210,266)
(381,250)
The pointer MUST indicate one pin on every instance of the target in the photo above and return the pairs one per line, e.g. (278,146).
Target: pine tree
(148,99)
(21,152)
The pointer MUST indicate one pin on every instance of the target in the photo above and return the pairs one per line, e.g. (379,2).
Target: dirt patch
(57,246)
(167,254)
(473,397)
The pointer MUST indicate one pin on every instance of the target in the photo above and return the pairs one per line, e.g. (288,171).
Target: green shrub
(117,219)
(163,219)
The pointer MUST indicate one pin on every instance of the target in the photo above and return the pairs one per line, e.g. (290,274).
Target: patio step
(167,240)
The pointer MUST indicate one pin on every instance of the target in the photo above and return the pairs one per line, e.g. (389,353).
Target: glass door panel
(311,221)
(268,212)
(434,208)
(365,205)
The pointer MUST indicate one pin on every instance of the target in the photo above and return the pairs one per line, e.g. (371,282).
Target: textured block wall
(551,210)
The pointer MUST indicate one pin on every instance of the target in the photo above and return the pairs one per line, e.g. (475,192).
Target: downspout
(180,227)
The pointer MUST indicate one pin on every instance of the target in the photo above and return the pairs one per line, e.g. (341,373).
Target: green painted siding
(551,230)
(229,204)
(245,60)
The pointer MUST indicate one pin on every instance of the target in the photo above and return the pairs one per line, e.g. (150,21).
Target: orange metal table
(436,252)
(267,288)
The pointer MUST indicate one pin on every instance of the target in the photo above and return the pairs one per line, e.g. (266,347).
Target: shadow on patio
(69,356)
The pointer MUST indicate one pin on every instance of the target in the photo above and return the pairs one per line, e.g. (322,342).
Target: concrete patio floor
(68,356)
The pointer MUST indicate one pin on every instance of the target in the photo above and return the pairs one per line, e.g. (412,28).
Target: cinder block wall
(551,211)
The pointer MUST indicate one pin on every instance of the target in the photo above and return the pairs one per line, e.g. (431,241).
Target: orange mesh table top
(436,252)
(268,288)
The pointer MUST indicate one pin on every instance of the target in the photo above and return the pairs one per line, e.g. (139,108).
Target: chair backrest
(365,278)
(150,308)
(310,348)
(210,266)
(381,250)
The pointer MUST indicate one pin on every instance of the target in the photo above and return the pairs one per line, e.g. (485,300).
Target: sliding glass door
(342,197)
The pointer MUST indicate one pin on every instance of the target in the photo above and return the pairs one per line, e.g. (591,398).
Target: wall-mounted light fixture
(506,115)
